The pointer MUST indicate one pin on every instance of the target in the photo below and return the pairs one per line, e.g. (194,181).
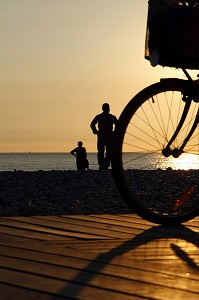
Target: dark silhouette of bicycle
(161,125)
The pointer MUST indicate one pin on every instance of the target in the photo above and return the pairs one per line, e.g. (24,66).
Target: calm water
(41,161)
(65,161)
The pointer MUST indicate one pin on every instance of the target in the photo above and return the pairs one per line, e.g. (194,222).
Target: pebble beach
(24,193)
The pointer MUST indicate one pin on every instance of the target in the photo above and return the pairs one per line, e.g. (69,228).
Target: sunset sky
(60,61)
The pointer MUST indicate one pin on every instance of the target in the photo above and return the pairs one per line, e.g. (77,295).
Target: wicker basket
(172,37)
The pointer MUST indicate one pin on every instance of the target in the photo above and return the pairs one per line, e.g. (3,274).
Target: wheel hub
(176,152)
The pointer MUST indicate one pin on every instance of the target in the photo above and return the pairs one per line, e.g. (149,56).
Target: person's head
(106,107)
(80,144)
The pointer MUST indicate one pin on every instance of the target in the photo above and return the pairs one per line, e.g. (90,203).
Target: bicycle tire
(152,193)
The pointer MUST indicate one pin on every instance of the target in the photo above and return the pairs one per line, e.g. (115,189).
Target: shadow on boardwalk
(151,234)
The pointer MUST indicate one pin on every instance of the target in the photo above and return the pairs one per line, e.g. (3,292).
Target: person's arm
(73,152)
(115,120)
(93,125)
(85,153)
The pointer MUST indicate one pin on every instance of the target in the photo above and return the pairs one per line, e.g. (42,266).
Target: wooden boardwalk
(97,257)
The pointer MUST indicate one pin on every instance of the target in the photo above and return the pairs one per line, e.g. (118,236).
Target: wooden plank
(90,219)
(65,228)
(132,218)
(165,266)
(134,284)
(155,261)
(57,287)
(33,227)
(28,234)
(169,280)
(127,248)
(138,227)
(9,292)
(104,219)
(104,228)
(104,246)
(149,252)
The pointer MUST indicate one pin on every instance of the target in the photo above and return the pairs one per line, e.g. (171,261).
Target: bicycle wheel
(160,189)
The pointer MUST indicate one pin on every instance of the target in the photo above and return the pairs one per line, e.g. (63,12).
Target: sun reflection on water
(184,162)
(153,161)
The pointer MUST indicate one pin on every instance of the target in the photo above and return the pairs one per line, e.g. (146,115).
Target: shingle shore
(59,192)
(85,192)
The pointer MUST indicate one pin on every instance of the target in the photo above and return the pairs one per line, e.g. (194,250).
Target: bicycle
(161,121)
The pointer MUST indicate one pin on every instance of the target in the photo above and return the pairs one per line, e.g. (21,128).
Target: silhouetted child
(81,157)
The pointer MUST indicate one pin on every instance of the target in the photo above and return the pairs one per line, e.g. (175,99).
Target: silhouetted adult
(105,122)
(81,157)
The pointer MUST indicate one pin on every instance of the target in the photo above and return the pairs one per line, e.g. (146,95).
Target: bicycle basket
(172,37)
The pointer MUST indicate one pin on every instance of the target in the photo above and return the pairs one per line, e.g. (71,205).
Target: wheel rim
(168,187)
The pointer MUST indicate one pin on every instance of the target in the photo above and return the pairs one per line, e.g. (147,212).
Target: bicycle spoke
(159,187)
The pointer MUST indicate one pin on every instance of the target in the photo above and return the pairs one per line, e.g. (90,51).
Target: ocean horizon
(47,161)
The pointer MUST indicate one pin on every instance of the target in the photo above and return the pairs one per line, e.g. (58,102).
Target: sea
(65,161)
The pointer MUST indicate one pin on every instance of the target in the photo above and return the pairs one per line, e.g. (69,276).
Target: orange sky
(60,60)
